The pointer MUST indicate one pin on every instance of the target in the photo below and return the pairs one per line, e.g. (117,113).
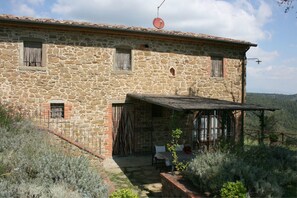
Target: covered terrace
(205,121)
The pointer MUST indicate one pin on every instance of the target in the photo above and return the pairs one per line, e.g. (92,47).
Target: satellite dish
(158,23)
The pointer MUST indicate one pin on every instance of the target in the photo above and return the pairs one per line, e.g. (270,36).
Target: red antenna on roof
(158,22)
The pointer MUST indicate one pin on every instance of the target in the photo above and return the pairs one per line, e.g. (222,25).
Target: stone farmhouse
(118,90)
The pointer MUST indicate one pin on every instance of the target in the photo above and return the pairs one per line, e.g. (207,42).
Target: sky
(263,22)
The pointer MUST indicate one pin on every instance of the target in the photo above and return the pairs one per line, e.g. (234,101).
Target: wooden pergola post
(241,140)
(262,125)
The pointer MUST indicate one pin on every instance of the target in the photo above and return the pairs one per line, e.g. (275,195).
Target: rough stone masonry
(78,69)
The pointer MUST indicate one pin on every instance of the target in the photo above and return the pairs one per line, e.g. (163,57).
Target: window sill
(217,78)
(57,120)
(129,72)
(31,68)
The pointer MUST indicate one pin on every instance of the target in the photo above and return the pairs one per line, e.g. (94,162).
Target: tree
(288,4)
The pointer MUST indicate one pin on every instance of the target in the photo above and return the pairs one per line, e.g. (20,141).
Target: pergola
(197,103)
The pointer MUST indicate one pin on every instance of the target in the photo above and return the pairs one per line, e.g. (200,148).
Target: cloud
(241,20)
(273,72)
(273,78)
(127,12)
(26,7)
(270,86)
(23,9)
(35,2)
(263,55)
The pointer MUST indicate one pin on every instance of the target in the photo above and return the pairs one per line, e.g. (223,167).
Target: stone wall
(151,130)
(79,71)
(177,186)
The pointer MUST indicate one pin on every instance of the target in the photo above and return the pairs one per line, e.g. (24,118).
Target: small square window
(32,54)
(57,110)
(123,59)
(217,67)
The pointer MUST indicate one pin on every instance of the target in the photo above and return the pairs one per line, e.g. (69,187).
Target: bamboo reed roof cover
(181,103)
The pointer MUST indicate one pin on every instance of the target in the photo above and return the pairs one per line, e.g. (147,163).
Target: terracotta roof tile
(82,24)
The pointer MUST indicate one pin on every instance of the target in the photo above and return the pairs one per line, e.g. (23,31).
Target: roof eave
(123,30)
(226,105)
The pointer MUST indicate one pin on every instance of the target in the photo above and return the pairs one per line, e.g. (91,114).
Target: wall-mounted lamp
(257,60)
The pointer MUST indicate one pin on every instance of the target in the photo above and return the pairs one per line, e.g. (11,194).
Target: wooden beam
(262,125)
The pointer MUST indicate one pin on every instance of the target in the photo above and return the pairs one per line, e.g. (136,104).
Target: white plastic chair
(156,160)
(159,149)
(179,147)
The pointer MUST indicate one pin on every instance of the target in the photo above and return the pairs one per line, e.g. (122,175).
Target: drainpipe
(243,77)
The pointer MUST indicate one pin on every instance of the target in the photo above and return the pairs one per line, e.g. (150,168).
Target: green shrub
(3,169)
(279,163)
(233,189)
(8,116)
(123,193)
(175,136)
(265,172)
(76,172)
(37,189)
(273,137)
(8,189)
(37,168)
(205,171)
(272,158)
(291,141)
(5,117)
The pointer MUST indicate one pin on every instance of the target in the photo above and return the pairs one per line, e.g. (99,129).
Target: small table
(181,155)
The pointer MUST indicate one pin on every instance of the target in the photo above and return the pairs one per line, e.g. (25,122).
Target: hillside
(34,164)
(284,119)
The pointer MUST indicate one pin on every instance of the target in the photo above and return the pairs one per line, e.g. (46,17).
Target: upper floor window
(217,67)
(32,53)
(123,59)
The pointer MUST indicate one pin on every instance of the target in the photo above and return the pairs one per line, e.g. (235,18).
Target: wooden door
(123,129)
